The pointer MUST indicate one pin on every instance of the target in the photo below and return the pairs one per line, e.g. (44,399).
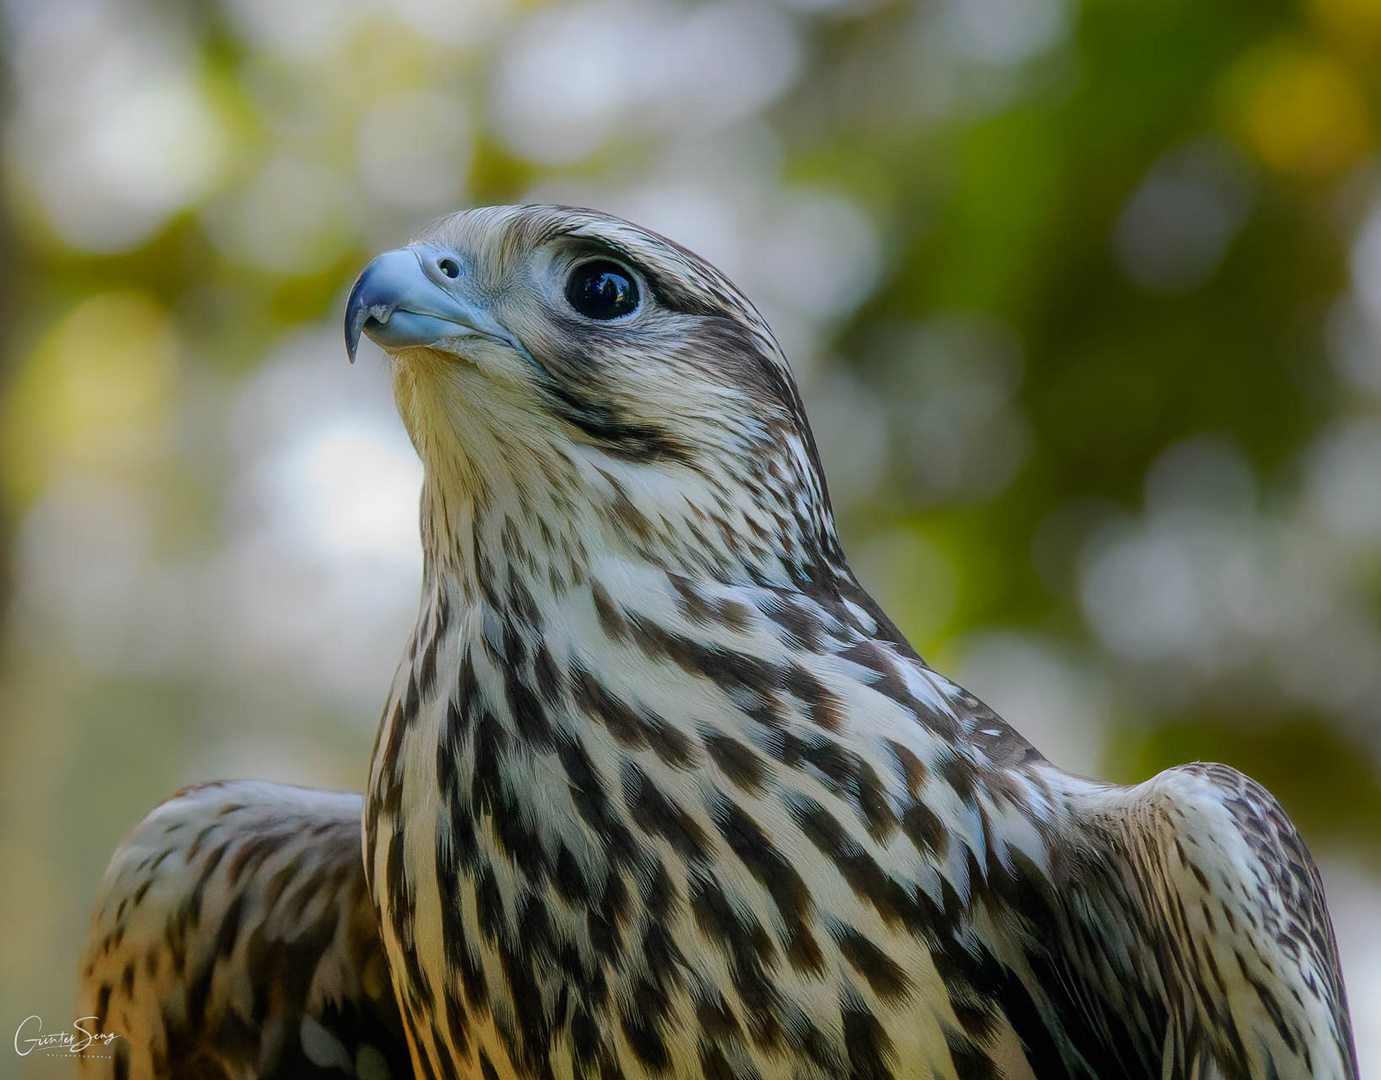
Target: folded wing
(1194,909)
(234,937)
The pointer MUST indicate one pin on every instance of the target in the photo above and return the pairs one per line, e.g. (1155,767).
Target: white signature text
(29,1037)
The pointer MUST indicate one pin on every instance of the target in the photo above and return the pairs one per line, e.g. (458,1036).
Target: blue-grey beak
(416,295)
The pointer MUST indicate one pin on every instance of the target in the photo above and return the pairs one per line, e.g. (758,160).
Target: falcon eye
(602,290)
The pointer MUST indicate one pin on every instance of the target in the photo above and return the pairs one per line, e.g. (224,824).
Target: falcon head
(555,359)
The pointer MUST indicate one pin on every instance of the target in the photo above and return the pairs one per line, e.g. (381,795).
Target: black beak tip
(356,315)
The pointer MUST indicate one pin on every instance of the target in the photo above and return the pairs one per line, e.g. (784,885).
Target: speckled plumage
(660,792)
(234,937)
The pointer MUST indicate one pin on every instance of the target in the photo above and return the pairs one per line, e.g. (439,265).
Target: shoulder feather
(234,937)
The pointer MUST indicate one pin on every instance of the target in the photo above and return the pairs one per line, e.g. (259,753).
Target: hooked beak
(417,295)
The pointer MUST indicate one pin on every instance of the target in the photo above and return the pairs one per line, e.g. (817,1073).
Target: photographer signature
(74,1041)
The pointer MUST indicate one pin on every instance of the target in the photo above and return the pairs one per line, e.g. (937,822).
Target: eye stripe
(669,289)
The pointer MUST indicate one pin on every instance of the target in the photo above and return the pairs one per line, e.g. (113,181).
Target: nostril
(449,267)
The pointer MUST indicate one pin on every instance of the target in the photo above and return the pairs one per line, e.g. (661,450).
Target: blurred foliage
(1085,298)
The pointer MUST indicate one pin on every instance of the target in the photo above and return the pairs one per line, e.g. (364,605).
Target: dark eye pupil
(602,290)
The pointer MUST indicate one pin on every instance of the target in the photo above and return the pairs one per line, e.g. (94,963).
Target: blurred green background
(1084,297)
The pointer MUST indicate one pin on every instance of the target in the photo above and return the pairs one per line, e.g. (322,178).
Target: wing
(1249,937)
(1189,928)
(234,938)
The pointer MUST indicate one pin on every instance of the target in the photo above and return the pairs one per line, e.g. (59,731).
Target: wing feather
(234,938)
(1200,873)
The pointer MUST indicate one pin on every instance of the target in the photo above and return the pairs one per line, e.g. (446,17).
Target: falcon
(661,792)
